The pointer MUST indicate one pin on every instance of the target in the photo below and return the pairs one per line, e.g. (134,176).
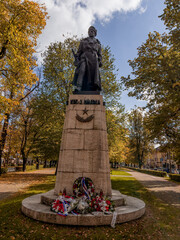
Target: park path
(13,182)
(163,189)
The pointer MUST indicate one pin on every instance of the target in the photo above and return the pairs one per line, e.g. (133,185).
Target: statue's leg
(81,76)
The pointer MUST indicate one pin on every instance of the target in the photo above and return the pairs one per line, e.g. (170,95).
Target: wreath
(83,186)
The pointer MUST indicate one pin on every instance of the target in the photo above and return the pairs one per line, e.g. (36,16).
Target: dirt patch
(13,182)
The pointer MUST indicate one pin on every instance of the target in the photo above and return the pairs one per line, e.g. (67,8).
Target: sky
(123,25)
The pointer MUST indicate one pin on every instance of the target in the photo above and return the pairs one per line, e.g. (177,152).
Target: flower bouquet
(84,200)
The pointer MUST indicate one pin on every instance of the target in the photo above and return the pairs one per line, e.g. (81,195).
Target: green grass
(160,221)
(33,167)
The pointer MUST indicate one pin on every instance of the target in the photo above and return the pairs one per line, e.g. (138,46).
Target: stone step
(33,208)
(49,197)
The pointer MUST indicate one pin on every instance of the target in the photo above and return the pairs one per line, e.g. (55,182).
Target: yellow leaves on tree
(21,24)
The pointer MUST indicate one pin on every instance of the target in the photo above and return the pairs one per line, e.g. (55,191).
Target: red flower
(108,202)
(67,196)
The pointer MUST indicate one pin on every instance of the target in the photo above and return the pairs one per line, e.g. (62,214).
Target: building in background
(162,160)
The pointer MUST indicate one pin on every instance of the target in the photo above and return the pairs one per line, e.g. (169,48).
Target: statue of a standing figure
(87,61)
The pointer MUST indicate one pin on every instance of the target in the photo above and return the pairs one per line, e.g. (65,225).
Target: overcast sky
(121,24)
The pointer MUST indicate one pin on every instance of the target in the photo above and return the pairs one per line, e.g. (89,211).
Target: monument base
(84,145)
(127,209)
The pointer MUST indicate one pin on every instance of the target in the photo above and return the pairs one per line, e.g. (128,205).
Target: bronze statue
(87,61)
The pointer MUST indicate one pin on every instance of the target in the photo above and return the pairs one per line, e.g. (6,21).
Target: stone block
(101,161)
(104,141)
(89,220)
(73,139)
(70,120)
(82,161)
(63,139)
(66,161)
(69,220)
(92,139)
(98,120)
(95,140)
(104,125)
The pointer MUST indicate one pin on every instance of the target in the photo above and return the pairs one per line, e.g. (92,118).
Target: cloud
(75,16)
(142,10)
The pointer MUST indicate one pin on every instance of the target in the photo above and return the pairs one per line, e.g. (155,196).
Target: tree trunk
(56,168)
(37,163)
(23,146)
(45,164)
(139,160)
(24,160)
(3,136)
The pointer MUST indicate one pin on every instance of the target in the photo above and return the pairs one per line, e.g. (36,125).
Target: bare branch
(29,92)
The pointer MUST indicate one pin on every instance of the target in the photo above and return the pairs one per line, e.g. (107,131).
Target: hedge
(3,170)
(175,177)
(151,172)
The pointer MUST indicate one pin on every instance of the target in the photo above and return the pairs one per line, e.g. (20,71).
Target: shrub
(151,172)
(3,170)
(175,177)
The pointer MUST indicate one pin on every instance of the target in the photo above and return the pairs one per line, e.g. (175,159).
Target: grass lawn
(159,222)
(33,167)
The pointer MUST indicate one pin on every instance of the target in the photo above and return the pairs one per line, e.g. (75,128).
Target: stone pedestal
(84,146)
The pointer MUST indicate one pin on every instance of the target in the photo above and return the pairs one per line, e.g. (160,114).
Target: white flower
(82,205)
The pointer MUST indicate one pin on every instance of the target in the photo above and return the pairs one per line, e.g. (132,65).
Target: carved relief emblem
(87,119)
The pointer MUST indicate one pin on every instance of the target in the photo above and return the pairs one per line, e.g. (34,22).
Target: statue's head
(92,32)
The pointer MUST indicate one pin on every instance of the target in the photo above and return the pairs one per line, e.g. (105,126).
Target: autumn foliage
(21,24)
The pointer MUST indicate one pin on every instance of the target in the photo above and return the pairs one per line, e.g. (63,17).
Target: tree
(139,143)
(21,23)
(171,19)
(27,130)
(156,78)
(49,124)
(117,136)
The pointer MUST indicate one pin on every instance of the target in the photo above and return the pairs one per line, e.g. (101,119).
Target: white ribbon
(113,222)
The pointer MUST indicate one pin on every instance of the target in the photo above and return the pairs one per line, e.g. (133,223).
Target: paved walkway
(121,176)
(167,191)
(13,182)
